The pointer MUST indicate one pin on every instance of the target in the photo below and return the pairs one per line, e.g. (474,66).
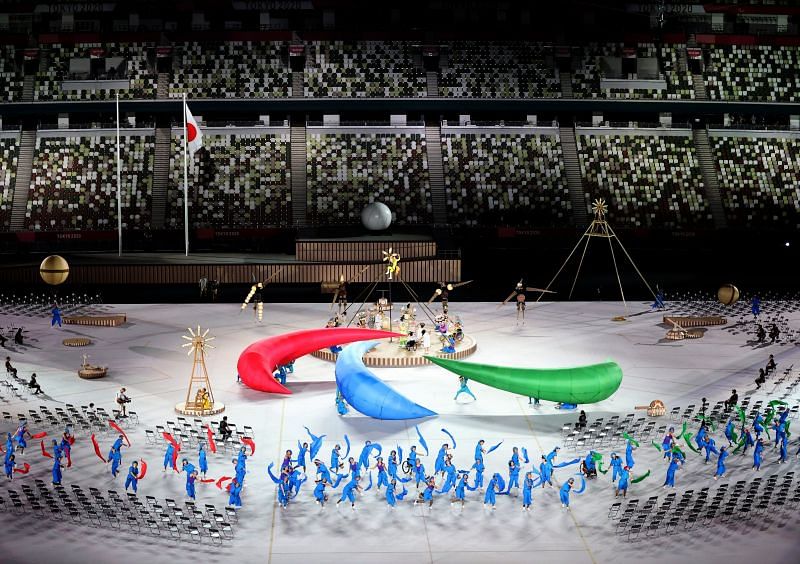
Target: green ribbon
(688,437)
(640,478)
(633,441)
(656,445)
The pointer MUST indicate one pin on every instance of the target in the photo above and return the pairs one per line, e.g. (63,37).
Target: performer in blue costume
(780,430)
(729,432)
(490,497)
(667,442)
(479,469)
(784,449)
(758,454)
(427,494)
(629,462)
(622,486)
(115,457)
(287,460)
(412,456)
(674,465)
(234,497)
(56,470)
(711,447)
(335,455)
(439,464)
(527,491)
(392,496)
(391,466)
(748,440)
(284,491)
(383,475)
(758,425)
(515,456)
(322,472)
(616,466)
(202,460)
(363,459)
(723,454)
(319,492)
(168,456)
(450,477)
(701,437)
(132,479)
(552,455)
(19,436)
(563,494)
(8,465)
(419,473)
(462,387)
(190,485)
(354,467)
(546,471)
(479,450)
(9,447)
(302,450)
(341,406)
(349,491)
(513,476)
(56,315)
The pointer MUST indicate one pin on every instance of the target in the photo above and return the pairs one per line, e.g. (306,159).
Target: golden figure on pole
(202,402)
(393,258)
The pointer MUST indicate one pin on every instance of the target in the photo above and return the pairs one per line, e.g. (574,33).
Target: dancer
(748,439)
(302,450)
(758,425)
(730,433)
(674,465)
(284,491)
(450,477)
(563,494)
(320,497)
(629,462)
(168,456)
(757,454)
(513,476)
(190,485)
(239,468)
(439,464)
(56,315)
(322,472)
(616,466)
(460,493)
(9,447)
(235,490)
(784,449)
(202,460)
(527,491)
(622,486)
(710,446)
(479,450)
(8,465)
(115,457)
(287,460)
(392,496)
(335,455)
(133,477)
(463,388)
(667,442)
(56,470)
(546,471)
(490,498)
(723,454)
(383,476)
(349,492)
(479,469)
(419,473)
(66,444)
(19,436)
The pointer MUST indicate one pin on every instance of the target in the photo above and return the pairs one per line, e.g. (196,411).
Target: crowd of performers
(392,474)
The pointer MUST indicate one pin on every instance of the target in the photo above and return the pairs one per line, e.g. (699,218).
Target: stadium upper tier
(395,69)
(652,178)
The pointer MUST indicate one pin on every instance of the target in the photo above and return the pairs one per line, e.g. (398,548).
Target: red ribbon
(97,448)
(207,481)
(39,435)
(212,446)
(223,479)
(119,430)
(44,452)
(177,448)
(249,442)
(23,470)
(144,470)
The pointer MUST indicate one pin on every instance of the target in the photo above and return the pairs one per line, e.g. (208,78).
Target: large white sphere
(376,216)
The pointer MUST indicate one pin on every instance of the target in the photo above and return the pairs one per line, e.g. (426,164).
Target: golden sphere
(728,294)
(54,270)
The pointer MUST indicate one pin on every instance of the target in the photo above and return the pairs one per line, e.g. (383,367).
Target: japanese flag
(194,137)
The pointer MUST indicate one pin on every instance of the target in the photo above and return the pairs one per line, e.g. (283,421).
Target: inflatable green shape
(582,384)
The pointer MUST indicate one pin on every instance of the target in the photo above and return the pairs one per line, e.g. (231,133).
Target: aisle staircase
(566,84)
(162,86)
(432,78)
(700,92)
(433,144)
(27,88)
(572,166)
(297,84)
(710,180)
(298,173)
(160,177)
(22,180)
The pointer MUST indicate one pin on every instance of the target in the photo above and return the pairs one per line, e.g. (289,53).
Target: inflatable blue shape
(366,393)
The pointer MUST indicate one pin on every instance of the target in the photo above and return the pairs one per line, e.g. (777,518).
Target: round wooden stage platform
(392,355)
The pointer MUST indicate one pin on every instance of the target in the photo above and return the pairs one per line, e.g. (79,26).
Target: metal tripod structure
(599,227)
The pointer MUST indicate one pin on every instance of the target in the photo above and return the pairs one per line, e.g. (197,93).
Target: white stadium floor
(145,356)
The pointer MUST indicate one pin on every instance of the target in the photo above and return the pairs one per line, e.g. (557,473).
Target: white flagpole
(119,187)
(185,178)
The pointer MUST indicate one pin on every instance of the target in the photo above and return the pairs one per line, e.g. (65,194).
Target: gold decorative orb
(728,294)
(54,270)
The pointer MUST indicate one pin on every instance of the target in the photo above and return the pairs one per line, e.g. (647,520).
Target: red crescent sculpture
(258,362)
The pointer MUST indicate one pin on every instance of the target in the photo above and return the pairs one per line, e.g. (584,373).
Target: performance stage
(145,356)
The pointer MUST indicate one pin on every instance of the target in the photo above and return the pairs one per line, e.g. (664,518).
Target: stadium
(330,216)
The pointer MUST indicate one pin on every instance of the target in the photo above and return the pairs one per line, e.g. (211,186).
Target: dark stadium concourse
(434,281)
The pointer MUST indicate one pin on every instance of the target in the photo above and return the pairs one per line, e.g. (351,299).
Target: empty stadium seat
(11,80)
(753,72)
(9,147)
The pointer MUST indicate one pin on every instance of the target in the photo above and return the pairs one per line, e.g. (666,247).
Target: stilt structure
(599,227)
(202,402)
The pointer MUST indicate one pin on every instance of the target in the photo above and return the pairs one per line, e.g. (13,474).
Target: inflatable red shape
(258,362)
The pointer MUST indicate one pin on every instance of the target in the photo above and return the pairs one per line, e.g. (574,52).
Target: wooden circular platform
(392,355)
(93,372)
(218,407)
(76,342)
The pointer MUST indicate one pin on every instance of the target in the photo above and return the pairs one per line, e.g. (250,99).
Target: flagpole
(185,178)
(119,188)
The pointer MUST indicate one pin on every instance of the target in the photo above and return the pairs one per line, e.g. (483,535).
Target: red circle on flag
(191,131)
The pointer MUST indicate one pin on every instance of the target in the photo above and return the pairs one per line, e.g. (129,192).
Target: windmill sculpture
(199,397)
(519,293)
(444,290)
(256,295)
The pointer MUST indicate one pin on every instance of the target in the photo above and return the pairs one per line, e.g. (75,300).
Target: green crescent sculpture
(578,385)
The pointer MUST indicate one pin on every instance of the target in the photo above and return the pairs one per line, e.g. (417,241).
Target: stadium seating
(498,70)
(501,178)
(8,168)
(10,76)
(586,78)
(74,185)
(647,180)
(346,171)
(137,69)
(239,69)
(758,180)
(362,70)
(235,181)
(753,72)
